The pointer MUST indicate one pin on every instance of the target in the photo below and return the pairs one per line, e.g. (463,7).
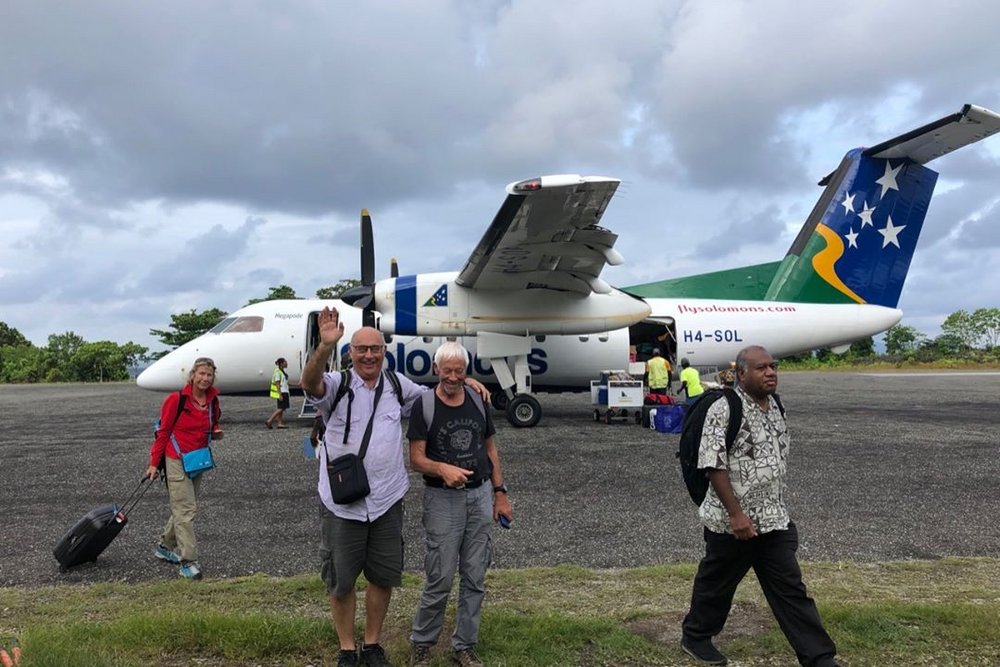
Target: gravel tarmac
(883,467)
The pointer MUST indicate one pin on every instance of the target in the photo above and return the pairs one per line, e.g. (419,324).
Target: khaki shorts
(348,548)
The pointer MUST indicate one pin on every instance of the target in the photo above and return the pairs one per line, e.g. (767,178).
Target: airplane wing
(546,235)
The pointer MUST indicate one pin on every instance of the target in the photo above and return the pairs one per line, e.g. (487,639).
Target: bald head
(367,353)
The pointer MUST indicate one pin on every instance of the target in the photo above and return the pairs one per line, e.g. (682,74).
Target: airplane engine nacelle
(434,305)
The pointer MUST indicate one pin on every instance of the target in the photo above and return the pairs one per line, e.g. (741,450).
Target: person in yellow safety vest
(690,382)
(658,373)
(279,392)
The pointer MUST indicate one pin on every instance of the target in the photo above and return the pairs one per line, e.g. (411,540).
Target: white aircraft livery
(840,281)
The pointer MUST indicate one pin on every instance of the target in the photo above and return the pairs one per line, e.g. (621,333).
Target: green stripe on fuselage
(748,283)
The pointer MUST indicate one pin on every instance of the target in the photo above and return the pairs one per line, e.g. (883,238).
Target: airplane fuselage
(709,332)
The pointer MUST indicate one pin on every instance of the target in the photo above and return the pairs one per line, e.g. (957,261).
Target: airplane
(839,282)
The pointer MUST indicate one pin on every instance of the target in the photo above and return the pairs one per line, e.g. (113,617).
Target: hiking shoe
(347,658)
(466,658)
(373,655)
(420,656)
(190,570)
(703,651)
(166,554)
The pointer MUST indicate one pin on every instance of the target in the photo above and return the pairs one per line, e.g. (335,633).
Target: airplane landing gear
(499,400)
(524,411)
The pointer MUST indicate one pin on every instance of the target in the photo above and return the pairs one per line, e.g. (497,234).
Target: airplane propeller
(363,296)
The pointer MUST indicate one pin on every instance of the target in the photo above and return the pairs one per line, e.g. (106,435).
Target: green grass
(941,612)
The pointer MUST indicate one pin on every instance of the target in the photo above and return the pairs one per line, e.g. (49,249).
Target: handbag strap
(371,420)
(211,414)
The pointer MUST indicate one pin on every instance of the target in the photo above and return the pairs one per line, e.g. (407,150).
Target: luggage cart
(616,400)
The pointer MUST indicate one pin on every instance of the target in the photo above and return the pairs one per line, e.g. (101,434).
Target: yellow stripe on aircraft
(824,260)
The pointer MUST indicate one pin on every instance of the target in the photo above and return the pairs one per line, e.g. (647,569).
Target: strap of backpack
(396,386)
(427,405)
(735,416)
(777,399)
(477,400)
(344,388)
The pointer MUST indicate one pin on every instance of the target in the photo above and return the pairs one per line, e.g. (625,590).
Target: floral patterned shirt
(757,464)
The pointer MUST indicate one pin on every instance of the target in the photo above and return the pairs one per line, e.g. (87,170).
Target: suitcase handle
(137,493)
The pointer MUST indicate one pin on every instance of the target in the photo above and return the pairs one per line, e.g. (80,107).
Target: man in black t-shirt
(464,493)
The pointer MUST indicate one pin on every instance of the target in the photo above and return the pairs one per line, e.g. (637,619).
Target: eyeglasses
(203,361)
(365,349)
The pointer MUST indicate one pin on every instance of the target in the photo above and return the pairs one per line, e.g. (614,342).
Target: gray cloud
(132,136)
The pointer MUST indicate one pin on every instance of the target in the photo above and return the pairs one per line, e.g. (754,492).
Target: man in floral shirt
(746,522)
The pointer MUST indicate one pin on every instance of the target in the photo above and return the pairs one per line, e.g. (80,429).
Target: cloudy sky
(159,157)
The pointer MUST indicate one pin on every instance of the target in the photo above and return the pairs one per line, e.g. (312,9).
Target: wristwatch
(500,489)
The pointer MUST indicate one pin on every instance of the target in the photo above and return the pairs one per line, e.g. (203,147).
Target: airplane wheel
(607,417)
(638,417)
(499,400)
(524,411)
(597,415)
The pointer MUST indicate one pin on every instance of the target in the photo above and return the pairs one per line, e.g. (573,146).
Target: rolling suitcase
(92,534)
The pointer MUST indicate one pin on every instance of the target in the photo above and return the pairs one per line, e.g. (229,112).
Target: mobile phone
(503,521)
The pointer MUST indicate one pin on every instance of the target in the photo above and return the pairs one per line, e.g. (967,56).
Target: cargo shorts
(348,548)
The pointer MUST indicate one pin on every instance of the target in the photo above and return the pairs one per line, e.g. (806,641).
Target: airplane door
(312,341)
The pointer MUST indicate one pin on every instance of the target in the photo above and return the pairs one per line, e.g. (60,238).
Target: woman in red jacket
(185,430)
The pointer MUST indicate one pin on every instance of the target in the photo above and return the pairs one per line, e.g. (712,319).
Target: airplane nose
(161,377)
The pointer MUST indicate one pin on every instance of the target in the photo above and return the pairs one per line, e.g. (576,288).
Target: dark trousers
(772,557)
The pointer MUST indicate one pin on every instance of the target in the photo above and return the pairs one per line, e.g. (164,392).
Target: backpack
(427,405)
(181,400)
(345,389)
(695,478)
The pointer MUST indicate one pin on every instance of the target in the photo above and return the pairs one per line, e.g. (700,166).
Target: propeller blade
(367,249)
(362,296)
(393,268)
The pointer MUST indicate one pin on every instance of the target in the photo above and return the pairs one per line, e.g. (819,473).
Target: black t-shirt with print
(457,436)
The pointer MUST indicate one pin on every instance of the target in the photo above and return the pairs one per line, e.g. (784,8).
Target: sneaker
(703,651)
(190,570)
(347,658)
(166,554)
(373,655)
(420,656)
(466,658)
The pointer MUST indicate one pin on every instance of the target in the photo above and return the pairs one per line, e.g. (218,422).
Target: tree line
(965,337)
(69,358)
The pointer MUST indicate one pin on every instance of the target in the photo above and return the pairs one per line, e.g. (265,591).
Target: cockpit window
(249,324)
(223,325)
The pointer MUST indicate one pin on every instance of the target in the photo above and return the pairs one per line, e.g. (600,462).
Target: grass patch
(915,612)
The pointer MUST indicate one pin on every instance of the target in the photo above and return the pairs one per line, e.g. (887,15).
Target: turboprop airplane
(532,310)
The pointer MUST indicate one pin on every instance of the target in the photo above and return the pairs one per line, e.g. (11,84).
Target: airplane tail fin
(857,242)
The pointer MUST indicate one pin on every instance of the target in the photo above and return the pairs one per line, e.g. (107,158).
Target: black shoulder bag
(348,479)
